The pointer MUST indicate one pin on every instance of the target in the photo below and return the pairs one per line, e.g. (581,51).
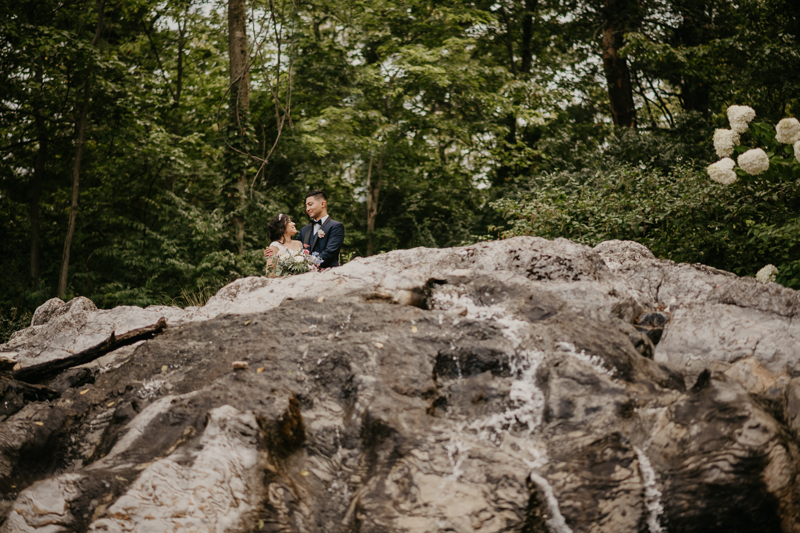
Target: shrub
(11,321)
(679,214)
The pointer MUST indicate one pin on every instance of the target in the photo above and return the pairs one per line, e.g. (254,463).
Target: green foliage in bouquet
(288,263)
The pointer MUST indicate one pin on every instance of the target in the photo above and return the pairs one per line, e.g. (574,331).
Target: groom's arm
(334,244)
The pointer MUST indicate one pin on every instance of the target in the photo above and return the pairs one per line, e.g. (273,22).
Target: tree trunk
(527,35)
(693,31)
(511,119)
(76,171)
(239,107)
(36,181)
(373,193)
(179,76)
(80,127)
(506,172)
(618,76)
(695,95)
(239,57)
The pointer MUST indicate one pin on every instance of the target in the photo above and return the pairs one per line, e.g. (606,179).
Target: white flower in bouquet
(754,161)
(767,274)
(797,151)
(724,142)
(299,259)
(740,117)
(722,171)
(788,131)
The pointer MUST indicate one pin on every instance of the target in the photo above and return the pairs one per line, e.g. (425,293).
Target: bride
(281,228)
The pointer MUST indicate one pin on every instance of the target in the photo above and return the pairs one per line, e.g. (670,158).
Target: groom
(323,235)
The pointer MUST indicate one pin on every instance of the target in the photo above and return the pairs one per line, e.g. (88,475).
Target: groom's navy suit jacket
(328,246)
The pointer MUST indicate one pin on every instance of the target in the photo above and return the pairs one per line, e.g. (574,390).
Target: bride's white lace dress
(281,247)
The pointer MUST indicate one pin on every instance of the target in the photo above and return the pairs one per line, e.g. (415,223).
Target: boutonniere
(320,234)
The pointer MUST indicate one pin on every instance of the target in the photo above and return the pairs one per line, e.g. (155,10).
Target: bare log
(43,371)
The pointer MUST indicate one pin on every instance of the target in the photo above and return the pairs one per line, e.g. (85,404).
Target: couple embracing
(322,238)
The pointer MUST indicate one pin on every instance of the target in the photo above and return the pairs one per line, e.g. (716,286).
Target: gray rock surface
(519,385)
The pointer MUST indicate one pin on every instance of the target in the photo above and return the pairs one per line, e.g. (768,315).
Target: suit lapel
(307,236)
(313,239)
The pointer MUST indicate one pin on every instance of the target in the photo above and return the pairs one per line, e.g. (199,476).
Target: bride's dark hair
(277,227)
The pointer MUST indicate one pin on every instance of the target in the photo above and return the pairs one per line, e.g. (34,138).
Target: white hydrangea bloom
(754,161)
(767,274)
(724,141)
(722,171)
(797,151)
(740,116)
(788,131)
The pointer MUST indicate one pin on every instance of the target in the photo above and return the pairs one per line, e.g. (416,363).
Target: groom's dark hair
(317,195)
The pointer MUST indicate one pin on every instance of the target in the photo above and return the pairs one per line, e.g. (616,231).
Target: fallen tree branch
(43,371)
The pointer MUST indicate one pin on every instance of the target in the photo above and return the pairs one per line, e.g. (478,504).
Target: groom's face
(314,207)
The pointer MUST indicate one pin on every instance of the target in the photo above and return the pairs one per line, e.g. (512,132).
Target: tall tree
(238,112)
(617,17)
(373,195)
(80,131)
(37,177)
(182,23)
(696,28)
(517,20)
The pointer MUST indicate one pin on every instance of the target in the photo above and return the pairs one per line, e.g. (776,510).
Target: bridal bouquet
(288,263)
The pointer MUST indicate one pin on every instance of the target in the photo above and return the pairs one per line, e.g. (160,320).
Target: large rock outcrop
(519,385)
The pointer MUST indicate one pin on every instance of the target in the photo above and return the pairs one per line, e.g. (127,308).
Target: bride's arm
(275,251)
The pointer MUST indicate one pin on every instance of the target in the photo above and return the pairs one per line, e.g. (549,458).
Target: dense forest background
(145,144)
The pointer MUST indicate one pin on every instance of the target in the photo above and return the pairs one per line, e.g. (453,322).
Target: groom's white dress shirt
(318,223)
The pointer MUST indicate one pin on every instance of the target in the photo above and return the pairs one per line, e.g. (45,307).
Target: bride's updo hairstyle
(277,227)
